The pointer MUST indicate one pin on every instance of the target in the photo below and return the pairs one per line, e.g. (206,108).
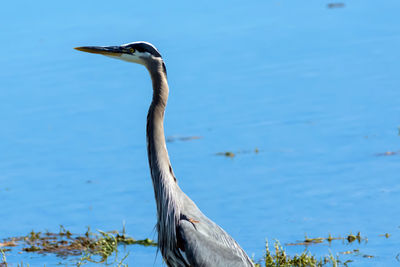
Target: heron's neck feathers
(166,189)
(156,146)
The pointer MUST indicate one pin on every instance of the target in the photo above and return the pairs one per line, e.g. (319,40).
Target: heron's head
(138,52)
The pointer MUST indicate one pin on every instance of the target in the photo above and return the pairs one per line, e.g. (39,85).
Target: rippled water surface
(314,88)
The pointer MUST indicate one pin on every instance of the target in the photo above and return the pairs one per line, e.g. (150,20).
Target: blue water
(314,89)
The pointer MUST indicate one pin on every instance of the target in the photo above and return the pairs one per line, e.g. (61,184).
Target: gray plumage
(186,237)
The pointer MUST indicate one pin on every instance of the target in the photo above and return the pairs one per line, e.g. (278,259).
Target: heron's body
(186,237)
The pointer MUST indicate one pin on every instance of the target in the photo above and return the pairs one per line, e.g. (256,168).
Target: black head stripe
(144,47)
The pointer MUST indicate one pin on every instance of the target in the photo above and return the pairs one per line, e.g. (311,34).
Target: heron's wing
(201,250)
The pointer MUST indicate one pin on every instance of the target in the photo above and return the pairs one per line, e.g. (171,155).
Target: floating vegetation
(92,247)
(385,235)
(335,5)
(102,248)
(231,154)
(310,241)
(388,153)
(280,258)
(171,139)
(356,252)
(226,154)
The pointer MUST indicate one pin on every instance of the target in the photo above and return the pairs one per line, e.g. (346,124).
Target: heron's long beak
(102,50)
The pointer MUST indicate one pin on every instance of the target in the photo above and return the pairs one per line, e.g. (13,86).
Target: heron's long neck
(160,167)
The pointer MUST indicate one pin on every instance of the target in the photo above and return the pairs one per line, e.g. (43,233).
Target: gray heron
(186,237)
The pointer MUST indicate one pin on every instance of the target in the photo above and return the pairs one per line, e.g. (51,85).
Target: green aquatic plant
(92,247)
(102,247)
(3,258)
(281,259)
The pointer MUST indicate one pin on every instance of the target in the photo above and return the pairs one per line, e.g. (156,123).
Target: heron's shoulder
(191,213)
(204,250)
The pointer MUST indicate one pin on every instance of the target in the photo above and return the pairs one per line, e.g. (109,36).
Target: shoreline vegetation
(103,248)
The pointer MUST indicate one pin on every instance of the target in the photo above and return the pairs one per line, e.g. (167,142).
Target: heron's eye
(132,50)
